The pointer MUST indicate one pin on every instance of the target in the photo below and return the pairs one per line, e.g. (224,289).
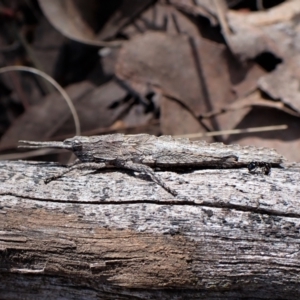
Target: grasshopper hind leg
(147,170)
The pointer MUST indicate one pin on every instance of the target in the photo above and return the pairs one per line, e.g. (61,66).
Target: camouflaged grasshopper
(143,153)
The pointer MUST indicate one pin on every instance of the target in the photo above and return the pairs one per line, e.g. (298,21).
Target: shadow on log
(118,235)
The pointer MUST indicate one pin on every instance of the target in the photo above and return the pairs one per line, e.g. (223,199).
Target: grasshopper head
(80,146)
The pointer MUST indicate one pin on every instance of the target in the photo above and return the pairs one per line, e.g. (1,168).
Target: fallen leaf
(157,59)
(40,121)
(162,17)
(274,30)
(284,141)
(283,84)
(197,8)
(99,109)
(128,10)
(230,116)
(171,117)
(195,71)
(77,20)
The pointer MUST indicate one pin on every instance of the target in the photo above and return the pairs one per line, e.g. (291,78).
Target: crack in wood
(164,202)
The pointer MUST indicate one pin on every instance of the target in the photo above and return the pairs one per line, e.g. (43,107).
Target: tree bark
(115,234)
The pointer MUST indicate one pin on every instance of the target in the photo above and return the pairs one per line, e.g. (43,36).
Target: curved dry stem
(55,84)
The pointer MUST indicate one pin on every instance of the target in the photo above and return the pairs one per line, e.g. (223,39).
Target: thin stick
(234,131)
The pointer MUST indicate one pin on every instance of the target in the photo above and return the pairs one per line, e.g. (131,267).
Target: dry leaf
(172,116)
(275,30)
(284,141)
(77,20)
(99,109)
(200,74)
(128,10)
(196,8)
(156,59)
(283,84)
(40,121)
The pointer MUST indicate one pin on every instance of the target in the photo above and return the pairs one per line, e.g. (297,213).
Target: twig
(234,131)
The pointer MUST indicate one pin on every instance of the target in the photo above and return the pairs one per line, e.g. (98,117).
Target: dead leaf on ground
(46,45)
(284,141)
(40,121)
(283,84)
(176,65)
(137,116)
(251,100)
(156,59)
(171,119)
(161,17)
(257,32)
(197,8)
(79,20)
(128,10)
(199,73)
(98,109)
(233,114)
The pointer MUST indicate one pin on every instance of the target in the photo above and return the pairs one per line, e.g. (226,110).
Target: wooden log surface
(116,234)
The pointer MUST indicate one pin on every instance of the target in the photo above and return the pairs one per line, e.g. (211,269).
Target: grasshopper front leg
(77,165)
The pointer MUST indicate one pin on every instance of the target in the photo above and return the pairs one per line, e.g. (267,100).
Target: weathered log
(118,235)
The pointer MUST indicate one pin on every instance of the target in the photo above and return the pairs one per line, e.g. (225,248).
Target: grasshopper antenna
(36,145)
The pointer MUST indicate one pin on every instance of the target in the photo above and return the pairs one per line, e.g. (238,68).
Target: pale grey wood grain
(111,235)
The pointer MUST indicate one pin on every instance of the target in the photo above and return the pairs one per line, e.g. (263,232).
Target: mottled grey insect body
(142,152)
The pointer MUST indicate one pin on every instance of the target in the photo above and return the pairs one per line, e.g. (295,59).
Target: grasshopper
(144,153)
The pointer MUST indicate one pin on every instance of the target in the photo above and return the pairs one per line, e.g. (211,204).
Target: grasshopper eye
(76,145)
